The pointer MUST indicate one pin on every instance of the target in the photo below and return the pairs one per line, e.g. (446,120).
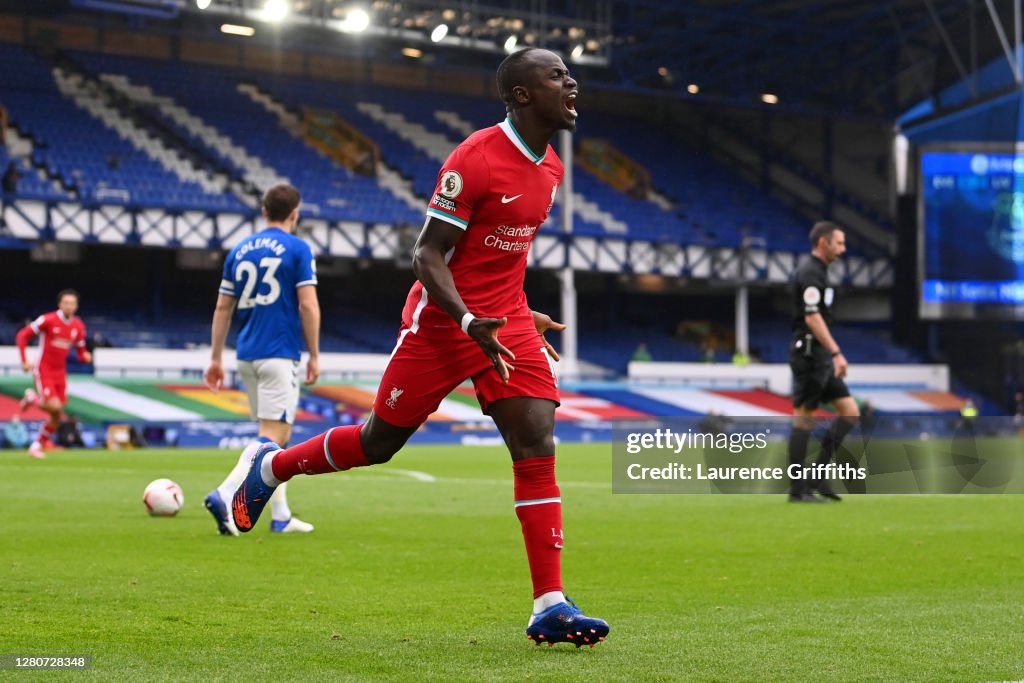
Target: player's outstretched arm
(24,336)
(428,263)
(543,323)
(214,376)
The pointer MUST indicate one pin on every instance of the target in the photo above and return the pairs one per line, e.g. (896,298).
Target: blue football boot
(219,509)
(566,623)
(254,494)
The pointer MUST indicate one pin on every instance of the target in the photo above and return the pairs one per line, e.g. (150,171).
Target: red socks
(537,498)
(46,433)
(336,449)
(539,509)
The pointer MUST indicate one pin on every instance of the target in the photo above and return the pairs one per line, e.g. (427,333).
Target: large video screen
(972,234)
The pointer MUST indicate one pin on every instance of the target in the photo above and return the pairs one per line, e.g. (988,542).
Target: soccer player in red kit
(467,318)
(60,331)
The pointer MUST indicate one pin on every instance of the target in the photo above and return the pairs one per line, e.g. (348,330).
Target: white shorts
(273,387)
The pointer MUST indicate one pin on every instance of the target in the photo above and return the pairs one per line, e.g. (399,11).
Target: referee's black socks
(836,433)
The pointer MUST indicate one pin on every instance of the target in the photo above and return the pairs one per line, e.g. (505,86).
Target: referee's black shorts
(815,381)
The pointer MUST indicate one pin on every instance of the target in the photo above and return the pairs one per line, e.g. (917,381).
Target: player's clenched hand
(485,332)
(543,323)
(840,364)
(214,376)
(312,370)
(86,357)
(26,366)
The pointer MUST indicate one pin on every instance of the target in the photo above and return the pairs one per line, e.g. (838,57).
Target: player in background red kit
(467,318)
(59,332)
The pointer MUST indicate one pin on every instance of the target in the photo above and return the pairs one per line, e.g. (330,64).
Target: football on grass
(163,498)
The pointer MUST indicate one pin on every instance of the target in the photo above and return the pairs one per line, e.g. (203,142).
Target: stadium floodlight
(412,52)
(203,4)
(356,21)
(577,51)
(770,98)
(439,32)
(693,88)
(276,10)
(236,30)
(511,42)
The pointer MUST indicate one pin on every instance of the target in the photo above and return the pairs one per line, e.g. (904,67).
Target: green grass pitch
(415,580)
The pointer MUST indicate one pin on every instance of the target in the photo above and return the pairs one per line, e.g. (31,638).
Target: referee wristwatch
(837,352)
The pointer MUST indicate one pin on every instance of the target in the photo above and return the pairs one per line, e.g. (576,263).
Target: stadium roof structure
(860,58)
(857,57)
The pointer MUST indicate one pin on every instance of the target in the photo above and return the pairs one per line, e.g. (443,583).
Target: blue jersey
(264,272)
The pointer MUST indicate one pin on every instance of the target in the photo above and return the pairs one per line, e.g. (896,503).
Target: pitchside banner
(715,454)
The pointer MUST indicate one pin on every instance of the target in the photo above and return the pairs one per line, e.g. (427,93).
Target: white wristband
(466,320)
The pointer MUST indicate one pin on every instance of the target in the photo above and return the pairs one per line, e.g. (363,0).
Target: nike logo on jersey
(505,199)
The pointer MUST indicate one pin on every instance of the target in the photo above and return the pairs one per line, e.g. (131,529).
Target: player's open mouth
(570,104)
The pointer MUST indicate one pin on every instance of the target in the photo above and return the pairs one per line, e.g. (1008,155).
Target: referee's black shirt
(811,293)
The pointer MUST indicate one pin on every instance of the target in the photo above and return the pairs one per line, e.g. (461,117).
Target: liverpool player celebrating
(467,317)
(60,331)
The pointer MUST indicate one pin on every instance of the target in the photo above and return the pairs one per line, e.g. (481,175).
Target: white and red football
(163,498)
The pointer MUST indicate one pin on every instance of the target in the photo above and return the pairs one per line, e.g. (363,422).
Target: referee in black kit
(817,362)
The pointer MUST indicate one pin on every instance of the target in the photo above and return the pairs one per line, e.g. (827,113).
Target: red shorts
(51,384)
(422,372)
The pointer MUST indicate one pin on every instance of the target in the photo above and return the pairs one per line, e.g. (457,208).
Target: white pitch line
(423,476)
(506,482)
(371,472)
(415,474)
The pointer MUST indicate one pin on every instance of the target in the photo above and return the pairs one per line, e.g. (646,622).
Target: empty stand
(212,138)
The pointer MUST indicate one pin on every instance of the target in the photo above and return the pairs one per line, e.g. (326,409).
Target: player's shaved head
(280,201)
(514,70)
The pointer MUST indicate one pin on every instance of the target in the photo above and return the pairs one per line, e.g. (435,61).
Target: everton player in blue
(269,284)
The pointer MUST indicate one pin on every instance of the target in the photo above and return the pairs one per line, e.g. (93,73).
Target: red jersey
(496,189)
(58,335)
